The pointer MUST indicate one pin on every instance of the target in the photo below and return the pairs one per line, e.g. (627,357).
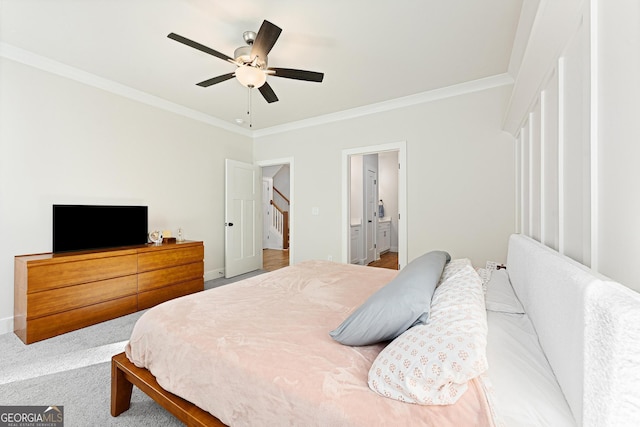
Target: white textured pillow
(454,267)
(500,296)
(431,364)
(485,275)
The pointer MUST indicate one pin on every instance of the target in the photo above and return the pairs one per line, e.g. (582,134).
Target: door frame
(401,148)
(285,161)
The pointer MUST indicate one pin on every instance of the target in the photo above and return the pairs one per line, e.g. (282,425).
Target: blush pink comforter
(258,352)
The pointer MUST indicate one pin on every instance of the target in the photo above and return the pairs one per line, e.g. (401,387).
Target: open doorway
(277,208)
(374,206)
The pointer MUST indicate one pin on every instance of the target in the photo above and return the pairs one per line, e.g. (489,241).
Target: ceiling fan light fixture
(242,55)
(251,62)
(250,77)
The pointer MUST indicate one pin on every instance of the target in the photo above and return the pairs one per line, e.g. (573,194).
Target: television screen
(83,227)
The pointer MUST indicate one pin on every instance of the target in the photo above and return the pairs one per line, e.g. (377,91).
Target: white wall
(578,141)
(65,142)
(281,181)
(460,175)
(618,245)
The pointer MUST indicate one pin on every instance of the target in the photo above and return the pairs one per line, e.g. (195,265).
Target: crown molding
(406,101)
(37,61)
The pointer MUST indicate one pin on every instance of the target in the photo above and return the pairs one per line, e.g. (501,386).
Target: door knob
(230,224)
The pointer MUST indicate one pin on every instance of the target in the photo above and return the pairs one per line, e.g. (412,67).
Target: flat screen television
(85,227)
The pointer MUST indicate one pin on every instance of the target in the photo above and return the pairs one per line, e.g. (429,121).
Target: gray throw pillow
(400,304)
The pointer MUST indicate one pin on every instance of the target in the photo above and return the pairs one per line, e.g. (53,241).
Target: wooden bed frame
(124,375)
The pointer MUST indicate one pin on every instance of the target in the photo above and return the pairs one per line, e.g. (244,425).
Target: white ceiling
(370,51)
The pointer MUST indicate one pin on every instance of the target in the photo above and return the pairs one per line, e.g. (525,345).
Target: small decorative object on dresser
(167,237)
(155,237)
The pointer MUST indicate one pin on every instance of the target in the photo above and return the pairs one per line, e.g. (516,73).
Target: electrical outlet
(330,258)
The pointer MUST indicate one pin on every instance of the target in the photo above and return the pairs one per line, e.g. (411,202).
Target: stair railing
(280,223)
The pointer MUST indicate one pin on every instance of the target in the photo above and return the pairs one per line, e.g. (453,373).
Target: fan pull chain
(249,108)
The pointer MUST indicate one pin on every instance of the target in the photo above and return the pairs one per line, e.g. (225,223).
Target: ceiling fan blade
(290,73)
(216,80)
(265,39)
(199,46)
(268,93)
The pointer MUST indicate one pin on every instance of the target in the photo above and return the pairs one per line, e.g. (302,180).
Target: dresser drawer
(176,255)
(56,324)
(71,297)
(154,297)
(56,275)
(168,276)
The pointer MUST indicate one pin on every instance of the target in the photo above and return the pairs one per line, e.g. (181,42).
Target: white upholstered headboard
(588,327)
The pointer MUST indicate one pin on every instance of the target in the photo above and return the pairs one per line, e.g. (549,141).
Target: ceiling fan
(251,61)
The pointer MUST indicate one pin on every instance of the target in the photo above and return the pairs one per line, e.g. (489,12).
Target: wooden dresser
(58,293)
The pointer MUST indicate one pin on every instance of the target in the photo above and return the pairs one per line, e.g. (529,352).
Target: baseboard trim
(6,325)
(216,273)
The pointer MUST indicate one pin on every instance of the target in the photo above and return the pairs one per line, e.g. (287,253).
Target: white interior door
(371,195)
(243,226)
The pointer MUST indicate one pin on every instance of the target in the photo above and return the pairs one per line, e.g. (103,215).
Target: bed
(259,352)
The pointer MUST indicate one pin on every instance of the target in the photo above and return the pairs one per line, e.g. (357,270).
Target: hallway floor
(387,260)
(274,259)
